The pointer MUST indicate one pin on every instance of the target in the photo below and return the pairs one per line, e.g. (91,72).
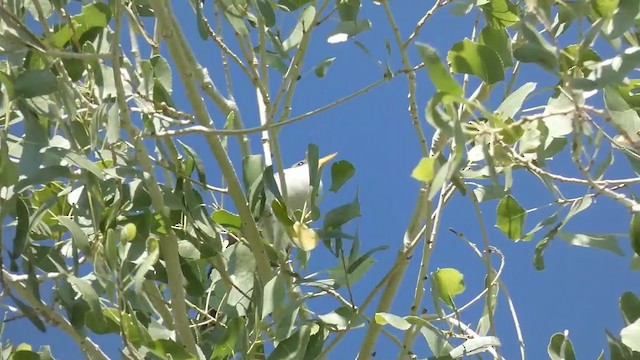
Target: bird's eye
(300,163)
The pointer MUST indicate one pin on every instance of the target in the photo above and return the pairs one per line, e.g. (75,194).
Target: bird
(299,184)
(299,191)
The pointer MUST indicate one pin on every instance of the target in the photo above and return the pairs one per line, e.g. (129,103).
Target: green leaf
(94,16)
(89,295)
(630,307)
(467,57)
(513,103)
(313,156)
(199,164)
(630,336)
(238,24)
(512,133)
(316,342)
(25,355)
(76,159)
(252,168)
(627,123)
(109,324)
(561,124)
(577,207)
(277,62)
(162,73)
(634,233)
(618,350)
(342,214)
(604,165)
(600,241)
(605,8)
(623,19)
(535,49)
(226,219)
(575,56)
(510,217)
(393,320)
(281,213)
(341,318)
(341,172)
(30,313)
(448,282)
(293,347)
(491,302)
(474,346)
(343,278)
(187,250)
(202,24)
(7,81)
(348,9)
(321,69)
(347,30)
(305,22)
(499,41)
(489,192)
(425,170)
(437,340)
(617,98)
(236,12)
(169,349)
(242,267)
(270,184)
(135,332)
(611,71)
(80,238)
(538,259)
(635,262)
(355,264)
(274,294)
(356,269)
(560,348)
(630,92)
(226,345)
(104,78)
(447,171)
(32,83)
(21,237)
(500,13)
(266,10)
(75,68)
(439,75)
(292,5)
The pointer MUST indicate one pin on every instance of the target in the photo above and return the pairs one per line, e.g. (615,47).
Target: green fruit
(128,232)
(605,8)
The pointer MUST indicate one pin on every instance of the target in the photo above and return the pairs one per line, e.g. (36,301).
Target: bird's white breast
(298,190)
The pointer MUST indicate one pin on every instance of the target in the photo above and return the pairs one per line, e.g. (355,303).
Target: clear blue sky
(578,290)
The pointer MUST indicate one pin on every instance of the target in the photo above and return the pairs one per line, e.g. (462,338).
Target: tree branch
(183,57)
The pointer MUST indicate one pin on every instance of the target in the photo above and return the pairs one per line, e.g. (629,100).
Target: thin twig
(411,78)
(423,20)
(487,260)
(598,183)
(198,129)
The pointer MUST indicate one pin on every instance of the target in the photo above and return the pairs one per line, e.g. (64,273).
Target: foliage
(110,224)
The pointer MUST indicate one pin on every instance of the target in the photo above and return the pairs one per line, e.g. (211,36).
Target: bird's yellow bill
(326,159)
